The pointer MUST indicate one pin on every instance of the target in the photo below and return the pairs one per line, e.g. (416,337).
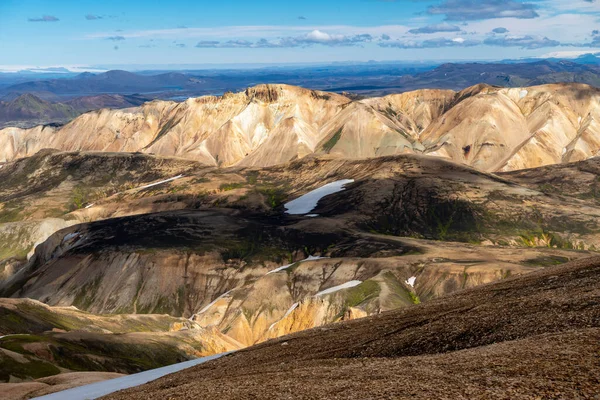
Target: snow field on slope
(284,267)
(308,202)
(161,182)
(337,288)
(99,389)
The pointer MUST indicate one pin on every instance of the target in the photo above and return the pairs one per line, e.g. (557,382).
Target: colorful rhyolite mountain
(490,128)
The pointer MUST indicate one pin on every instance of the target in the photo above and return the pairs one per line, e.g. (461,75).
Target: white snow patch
(308,202)
(411,281)
(309,258)
(346,285)
(292,308)
(438,154)
(99,389)
(312,215)
(14,334)
(288,312)
(523,93)
(90,205)
(161,182)
(70,236)
(279,269)
(564,151)
(213,302)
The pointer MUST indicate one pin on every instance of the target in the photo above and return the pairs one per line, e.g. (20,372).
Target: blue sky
(109,32)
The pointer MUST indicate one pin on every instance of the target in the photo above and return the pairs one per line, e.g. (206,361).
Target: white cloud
(582,6)
(314,37)
(319,36)
(430,43)
(566,54)
(568,27)
(255,31)
(443,27)
(76,68)
(471,10)
(525,42)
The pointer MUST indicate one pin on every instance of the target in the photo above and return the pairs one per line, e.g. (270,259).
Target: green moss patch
(546,261)
(32,369)
(358,295)
(330,144)
(226,187)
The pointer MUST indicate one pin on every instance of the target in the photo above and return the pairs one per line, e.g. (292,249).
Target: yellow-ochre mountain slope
(489,128)
(530,337)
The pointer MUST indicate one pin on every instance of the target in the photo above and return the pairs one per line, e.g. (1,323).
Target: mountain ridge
(29,109)
(362,79)
(131,233)
(113,81)
(214,235)
(136,224)
(491,128)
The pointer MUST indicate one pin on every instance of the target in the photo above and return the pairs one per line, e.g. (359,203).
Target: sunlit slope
(489,128)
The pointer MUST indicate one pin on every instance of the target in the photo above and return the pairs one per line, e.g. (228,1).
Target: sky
(84,33)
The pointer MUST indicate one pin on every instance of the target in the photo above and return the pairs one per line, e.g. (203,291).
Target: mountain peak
(116,74)
(29,99)
(85,75)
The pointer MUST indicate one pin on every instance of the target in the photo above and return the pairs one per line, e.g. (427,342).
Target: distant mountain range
(28,110)
(368,79)
(60,100)
(458,76)
(108,82)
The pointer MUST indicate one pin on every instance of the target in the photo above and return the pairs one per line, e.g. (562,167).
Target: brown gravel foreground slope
(531,337)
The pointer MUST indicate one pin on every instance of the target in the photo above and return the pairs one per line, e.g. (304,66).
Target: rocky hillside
(490,128)
(217,245)
(28,107)
(124,261)
(38,341)
(28,110)
(535,336)
(509,129)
